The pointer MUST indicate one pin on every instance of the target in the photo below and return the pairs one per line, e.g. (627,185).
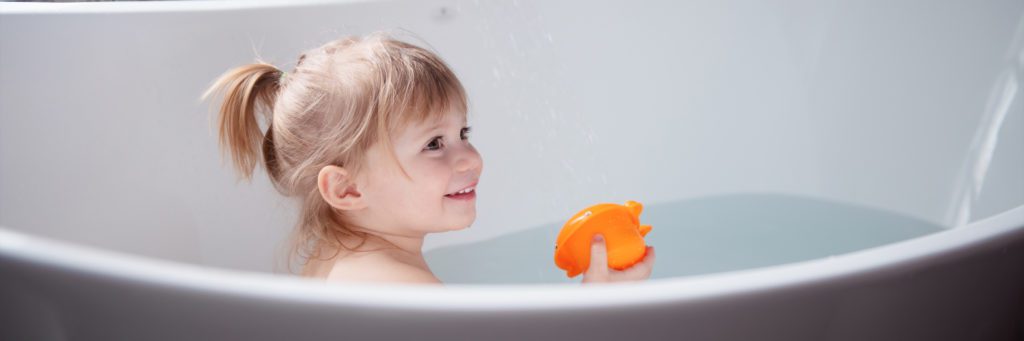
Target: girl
(370,135)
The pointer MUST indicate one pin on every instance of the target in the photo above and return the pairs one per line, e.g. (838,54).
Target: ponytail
(248,90)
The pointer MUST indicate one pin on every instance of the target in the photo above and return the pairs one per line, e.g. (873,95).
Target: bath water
(695,236)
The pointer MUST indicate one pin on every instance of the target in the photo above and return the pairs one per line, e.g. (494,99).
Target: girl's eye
(438,141)
(434,144)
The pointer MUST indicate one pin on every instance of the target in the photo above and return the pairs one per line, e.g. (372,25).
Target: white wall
(103,140)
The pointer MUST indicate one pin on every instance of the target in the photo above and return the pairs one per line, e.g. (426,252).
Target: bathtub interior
(755,133)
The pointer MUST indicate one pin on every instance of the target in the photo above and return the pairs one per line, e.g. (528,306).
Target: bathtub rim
(59,8)
(36,251)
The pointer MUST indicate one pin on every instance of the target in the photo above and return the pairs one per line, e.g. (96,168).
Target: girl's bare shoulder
(378,267)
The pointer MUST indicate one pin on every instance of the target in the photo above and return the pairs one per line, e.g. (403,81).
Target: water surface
(695,236)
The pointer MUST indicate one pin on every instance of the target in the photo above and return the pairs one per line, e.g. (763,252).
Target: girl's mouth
(468,193)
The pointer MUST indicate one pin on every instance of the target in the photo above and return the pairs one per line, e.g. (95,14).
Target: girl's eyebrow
(431,129)
(435,127)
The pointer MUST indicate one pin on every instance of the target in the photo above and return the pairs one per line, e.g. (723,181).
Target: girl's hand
(599,272)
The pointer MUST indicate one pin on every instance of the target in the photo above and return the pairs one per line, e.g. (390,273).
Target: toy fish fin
(635,208)
(644,229)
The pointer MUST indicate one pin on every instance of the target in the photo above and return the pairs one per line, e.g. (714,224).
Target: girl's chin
(463,223)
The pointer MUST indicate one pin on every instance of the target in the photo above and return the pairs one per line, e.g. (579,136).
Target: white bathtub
(118,220)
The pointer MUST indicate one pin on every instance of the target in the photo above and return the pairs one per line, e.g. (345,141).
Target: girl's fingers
(641,270)
(649,257)
(637,271)
(599,271)
(648,262)
(598,257)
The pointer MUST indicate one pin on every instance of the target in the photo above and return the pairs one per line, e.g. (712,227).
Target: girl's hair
(339,100)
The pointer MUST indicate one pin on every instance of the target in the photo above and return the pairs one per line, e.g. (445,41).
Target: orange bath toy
(620,226)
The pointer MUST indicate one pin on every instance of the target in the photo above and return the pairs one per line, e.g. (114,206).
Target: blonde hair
(339,100)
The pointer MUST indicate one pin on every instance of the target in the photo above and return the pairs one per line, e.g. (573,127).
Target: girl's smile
(465,194)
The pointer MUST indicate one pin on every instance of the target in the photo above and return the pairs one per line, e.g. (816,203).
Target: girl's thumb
(598,253)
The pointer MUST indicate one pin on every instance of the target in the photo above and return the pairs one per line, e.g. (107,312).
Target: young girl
(370,135)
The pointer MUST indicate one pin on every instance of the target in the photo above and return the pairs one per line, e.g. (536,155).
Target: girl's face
(439,193)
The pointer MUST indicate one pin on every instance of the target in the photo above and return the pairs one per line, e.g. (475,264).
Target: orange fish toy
(620,226)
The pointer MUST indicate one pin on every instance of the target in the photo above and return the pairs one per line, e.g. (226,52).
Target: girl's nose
(469,159)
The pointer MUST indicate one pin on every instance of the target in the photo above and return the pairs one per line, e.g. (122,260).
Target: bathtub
(891,134)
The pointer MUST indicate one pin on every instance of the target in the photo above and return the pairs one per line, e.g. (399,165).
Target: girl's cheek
(429,174)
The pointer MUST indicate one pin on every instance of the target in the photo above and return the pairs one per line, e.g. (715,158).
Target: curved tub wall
(958,284)
(913,108)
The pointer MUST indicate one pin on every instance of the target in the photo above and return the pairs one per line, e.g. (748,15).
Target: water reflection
(986,138)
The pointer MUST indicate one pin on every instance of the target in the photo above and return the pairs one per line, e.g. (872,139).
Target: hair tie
(282,77)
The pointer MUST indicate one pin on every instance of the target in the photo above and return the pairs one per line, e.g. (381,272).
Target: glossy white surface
(498,297)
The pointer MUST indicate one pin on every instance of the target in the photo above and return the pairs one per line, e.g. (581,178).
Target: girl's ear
(338,188)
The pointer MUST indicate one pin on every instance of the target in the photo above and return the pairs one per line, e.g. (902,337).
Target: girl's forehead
(449,119)
(422,128)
